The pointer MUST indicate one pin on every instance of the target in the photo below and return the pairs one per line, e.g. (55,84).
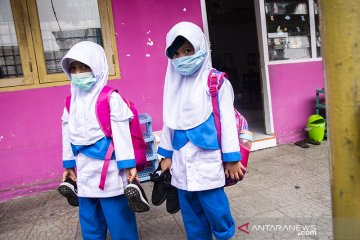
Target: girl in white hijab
(189,138)
(85,146)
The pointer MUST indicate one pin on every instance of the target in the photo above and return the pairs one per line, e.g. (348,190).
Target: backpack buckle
(213,80)
(213,90)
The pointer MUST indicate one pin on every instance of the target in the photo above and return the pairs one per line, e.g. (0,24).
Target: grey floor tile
(284,185)
(165,227)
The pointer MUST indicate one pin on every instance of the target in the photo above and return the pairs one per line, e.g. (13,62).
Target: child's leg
(92,220)
(216,206)
(119,217)
(196,224)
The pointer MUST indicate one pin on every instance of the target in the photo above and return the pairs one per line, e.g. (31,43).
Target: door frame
(263,58)
(264,64)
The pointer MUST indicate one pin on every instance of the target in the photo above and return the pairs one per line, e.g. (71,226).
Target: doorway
(233,38)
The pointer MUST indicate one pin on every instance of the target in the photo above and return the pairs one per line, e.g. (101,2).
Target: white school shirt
(198,169)
(89,169)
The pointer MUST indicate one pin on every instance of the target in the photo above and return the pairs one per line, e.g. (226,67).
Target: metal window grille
(65,40)
(10,63)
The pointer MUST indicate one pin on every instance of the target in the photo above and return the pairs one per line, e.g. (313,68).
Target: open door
(233,33)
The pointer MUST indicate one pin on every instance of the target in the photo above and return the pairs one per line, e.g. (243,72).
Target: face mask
(84,81)
(190,64)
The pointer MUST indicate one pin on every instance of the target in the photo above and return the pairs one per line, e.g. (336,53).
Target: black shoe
(162,183)
(172,200)
(68,189)
(136,197)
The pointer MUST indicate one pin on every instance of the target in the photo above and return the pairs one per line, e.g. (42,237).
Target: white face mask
(84,81)
(190,64)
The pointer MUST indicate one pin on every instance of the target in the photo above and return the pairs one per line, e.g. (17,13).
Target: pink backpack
(103,117)
(215,81)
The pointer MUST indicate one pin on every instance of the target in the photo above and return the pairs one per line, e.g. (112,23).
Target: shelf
(284,14)
(144,118)
(278,35)
(282,47)
(286,7)
(292,18)
(318,91)
(319,105)
(148,137)
(151,155)
(291,48)
(144,174)
(278,47)
(288,29)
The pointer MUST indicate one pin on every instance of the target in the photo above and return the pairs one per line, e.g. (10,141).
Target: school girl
(189,139)
(85,146)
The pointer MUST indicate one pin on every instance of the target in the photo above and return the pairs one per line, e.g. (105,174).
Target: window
(317,28)
(36,34)
(291,29)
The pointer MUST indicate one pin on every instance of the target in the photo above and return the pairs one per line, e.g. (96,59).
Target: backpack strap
(67,103)
(215,81)
(103,117)
(103,110)
(105,167)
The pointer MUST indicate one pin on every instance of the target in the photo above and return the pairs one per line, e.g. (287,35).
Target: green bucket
(316,127)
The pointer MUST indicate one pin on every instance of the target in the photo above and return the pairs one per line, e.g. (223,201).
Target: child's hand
(69,173)
(235,170)
(165,164)
(131,173)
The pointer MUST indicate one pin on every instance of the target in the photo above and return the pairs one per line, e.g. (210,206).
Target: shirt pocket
(209,155)
(210,166)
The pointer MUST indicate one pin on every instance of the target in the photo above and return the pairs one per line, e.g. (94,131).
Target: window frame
(28,34)
(23,37)
(264,32)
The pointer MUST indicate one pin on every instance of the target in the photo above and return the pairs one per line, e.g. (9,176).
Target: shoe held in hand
(161,185)
(136,197)
(68,189)
(172,200)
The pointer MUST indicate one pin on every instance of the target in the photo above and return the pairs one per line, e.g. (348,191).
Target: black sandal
(302,144)
(312,141)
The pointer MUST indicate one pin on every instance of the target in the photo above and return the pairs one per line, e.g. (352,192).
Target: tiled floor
(285,195)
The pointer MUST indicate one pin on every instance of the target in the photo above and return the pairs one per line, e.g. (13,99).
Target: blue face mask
(84,81)
(190,64)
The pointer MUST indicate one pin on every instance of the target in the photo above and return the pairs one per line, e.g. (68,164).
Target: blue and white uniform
(189,138)
(85,146)
(90,156)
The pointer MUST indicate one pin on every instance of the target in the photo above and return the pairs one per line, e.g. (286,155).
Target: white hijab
(187,102)
(83,124)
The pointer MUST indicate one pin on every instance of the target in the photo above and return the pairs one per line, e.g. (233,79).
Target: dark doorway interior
(234,45)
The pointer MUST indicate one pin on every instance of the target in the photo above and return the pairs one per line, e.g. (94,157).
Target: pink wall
(137,24)
(293,97)
(30,145)
(30,134)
